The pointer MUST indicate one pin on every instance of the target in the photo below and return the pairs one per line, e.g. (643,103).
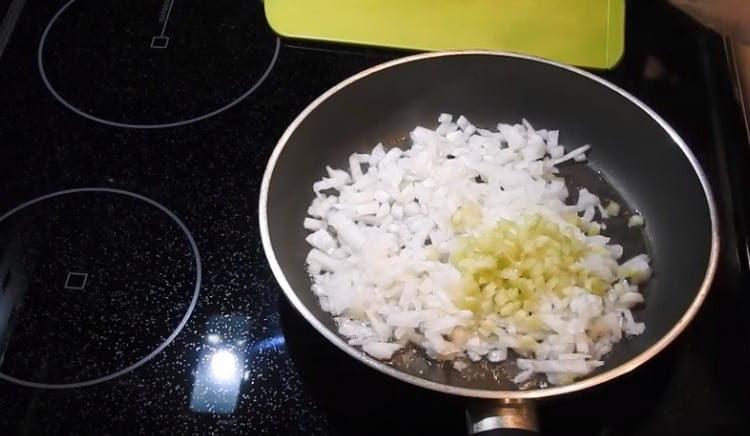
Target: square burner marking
(159,42)
(76,281)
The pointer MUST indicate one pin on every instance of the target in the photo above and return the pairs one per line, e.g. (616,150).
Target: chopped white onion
(383,232)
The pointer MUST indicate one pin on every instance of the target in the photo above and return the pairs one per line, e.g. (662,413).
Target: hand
(729,17)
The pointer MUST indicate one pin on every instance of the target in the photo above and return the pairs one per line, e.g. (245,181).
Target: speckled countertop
(139,300)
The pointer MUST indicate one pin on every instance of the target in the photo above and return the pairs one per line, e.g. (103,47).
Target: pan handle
(501,418)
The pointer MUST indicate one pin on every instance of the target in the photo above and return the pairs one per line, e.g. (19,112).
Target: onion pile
(464,245)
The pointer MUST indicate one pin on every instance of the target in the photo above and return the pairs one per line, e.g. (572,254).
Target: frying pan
(636,159)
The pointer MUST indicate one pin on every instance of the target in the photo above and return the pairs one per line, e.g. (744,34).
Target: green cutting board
(588,33)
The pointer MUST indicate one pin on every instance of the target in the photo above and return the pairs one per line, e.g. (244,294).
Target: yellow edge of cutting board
(588,33)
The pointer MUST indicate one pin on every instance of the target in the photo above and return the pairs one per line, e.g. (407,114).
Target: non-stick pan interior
(635,154)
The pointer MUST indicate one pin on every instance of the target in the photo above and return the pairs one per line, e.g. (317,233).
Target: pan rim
(579,385)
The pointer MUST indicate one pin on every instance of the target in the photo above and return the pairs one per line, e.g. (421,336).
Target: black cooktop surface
(134,294)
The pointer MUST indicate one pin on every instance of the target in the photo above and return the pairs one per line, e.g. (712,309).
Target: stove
(134,293)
